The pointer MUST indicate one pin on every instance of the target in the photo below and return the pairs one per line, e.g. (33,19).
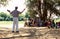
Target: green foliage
(5,17)
(8,17)
(1,18)
(21,17)
(4,2)
(2,14)
(27,15)
(47,5)
(31,3)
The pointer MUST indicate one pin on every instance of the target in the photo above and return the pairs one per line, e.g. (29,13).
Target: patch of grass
(10,22)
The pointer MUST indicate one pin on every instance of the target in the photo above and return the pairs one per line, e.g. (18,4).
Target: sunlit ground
(9,24)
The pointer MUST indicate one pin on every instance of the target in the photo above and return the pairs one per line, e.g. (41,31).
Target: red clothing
(48,23)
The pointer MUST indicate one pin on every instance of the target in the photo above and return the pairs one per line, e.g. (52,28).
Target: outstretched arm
(9,11)
(22,11)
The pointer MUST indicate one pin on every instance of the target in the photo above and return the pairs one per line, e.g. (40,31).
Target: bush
(1,18)
(6,17)
(20,18)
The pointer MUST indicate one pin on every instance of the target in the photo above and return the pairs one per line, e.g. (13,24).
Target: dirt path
(30,33)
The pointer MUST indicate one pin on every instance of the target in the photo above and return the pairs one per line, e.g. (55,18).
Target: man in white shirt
(15,13)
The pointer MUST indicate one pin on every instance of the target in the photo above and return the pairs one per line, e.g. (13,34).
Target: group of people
(32,22)
(52,24)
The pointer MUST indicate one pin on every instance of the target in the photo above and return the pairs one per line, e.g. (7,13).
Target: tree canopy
(41,7)
(4,2)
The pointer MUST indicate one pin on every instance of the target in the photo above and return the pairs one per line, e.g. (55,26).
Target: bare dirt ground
(30,33)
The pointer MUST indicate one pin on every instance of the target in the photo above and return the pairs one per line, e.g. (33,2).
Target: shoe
(17,31)
(12,31)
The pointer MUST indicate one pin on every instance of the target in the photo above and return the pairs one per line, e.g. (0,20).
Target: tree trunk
(44,11)
(50,14)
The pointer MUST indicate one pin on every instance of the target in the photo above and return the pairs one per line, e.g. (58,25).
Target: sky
(11,5)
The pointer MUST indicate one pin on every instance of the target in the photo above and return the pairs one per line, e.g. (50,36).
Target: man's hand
(22,11)
(8,10)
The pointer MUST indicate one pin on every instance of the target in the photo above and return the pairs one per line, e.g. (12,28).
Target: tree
(3,2)
(5,17)
(27,15)
(2,14)
(21,17)
(41,7)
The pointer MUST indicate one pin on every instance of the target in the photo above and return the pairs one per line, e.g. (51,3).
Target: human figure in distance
(15,13)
